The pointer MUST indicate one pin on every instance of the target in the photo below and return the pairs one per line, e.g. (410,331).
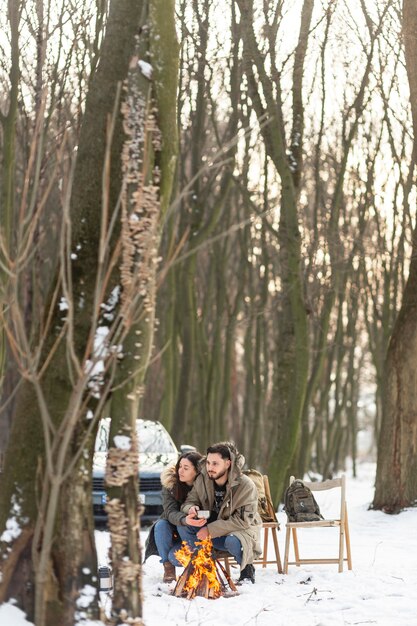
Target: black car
(156,451)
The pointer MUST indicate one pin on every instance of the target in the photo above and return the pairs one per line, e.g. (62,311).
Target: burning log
(203,575)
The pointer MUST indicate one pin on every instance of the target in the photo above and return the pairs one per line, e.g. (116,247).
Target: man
(231,497)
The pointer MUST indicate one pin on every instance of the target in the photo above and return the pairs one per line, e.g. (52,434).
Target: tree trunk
(291,368)
(7,193)
(396,479)
(149,164)
(53,558)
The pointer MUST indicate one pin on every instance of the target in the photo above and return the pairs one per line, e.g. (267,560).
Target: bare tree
(396,481)
(110,225)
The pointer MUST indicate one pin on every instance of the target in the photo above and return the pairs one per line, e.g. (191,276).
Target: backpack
(299,503)
(265,506)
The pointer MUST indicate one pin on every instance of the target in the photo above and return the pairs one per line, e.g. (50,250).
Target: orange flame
(203,567)
(184,554)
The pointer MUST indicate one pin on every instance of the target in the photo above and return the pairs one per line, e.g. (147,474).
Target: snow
(145,68)
(12,616)
(381,588)
(122,442)
(87,596)
(12,531)
(63,304)
(13,528)
(96,366)
(111,303)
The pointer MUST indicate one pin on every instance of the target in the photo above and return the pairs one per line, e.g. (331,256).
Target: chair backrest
(334,483)
(265,506)
(269,502)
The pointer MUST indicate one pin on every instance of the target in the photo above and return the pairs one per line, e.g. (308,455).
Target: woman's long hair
(181,490)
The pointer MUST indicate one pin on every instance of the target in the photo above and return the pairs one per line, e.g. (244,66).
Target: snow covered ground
(381,589)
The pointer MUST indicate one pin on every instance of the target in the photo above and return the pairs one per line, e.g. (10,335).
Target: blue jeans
(165,542)
(230,543)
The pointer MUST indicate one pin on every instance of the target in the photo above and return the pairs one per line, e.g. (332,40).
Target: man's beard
(217,476)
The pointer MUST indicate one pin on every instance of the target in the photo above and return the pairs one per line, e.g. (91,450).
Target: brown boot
(169,572)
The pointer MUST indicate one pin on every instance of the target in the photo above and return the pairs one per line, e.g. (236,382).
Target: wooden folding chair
(341,523)
(268,527)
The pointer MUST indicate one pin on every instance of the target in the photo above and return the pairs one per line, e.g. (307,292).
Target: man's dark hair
(224,449)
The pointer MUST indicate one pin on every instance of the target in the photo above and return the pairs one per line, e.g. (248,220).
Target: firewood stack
(203,575)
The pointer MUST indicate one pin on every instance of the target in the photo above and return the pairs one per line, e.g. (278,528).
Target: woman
(163,538)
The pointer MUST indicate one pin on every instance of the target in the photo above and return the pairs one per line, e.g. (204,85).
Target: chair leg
(347,539)
(341,545)
(276,547)
(227,565)
(296,551)
(287,549)
(265,549)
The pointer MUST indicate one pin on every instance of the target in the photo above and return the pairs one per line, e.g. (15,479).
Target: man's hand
(190,520)
(203,533)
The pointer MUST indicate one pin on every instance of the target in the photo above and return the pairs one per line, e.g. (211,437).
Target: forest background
(207,218)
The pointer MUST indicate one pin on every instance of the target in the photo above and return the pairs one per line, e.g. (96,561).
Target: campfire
(203,575)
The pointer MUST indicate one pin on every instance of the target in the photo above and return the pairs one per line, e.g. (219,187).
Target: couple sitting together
(214,483)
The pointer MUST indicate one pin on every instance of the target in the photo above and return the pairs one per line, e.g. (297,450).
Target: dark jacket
(238,513)
(171,510)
